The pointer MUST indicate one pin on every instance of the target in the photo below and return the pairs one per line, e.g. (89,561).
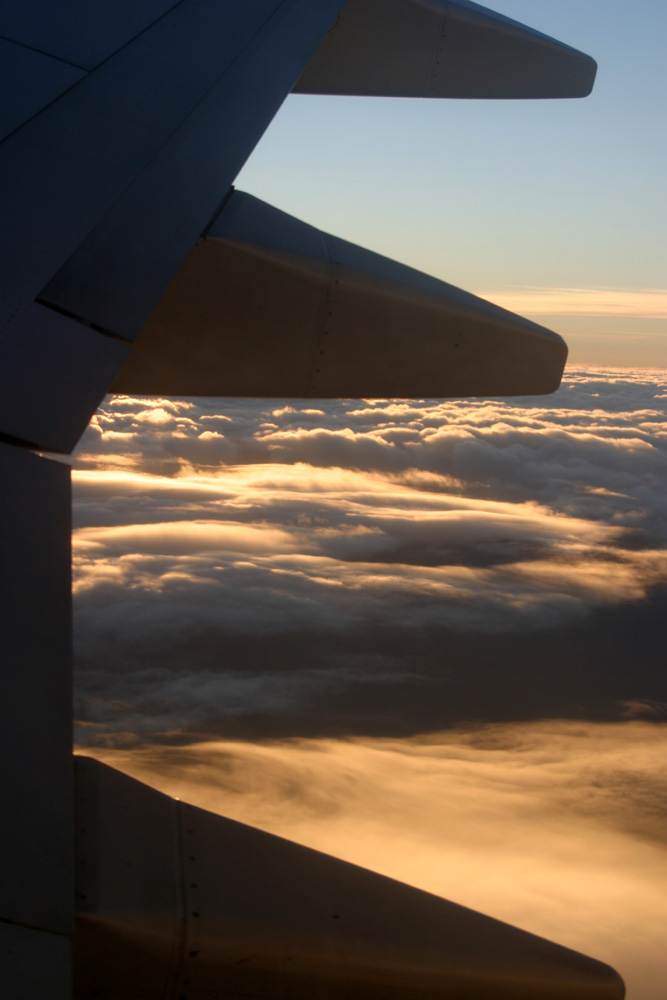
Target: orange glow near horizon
(583,560)
(645,303)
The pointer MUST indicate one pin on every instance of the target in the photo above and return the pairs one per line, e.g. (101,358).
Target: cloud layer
(267,568)
(425,636)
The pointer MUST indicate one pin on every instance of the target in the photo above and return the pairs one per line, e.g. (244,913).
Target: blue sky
(499,195)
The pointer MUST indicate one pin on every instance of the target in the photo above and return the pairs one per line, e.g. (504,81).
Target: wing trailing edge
(266,305)
(439,48)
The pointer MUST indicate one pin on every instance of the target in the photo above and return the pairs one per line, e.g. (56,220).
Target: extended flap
(435,48)
(266,305)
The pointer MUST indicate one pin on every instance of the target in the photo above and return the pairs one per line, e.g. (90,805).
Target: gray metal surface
(29,80)
(78,31)
(149,231)
(55,372)
(123,147)
(440,48)
(260,916)
(100,135)
(34,965)
(35,692)
(266,305)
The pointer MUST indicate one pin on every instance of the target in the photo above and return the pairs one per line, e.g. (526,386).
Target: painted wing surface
(124,130)
(111,171)
(277,308)
(441,48)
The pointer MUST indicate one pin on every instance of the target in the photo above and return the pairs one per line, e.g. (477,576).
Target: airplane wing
(106,189)
(130,122)
(435,48)
(279,308)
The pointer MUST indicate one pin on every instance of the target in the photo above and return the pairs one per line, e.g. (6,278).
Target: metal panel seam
(47,55)
(278,10)
(211,222)
(61,93)
(129,41)
(180,931)
(324,312)
(79,319)
(17,442)
(438,52)
(193,108)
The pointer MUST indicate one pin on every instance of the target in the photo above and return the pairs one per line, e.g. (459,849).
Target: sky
(554,208)
(426,636)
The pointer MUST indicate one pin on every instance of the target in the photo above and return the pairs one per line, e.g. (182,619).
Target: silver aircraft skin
(123,124)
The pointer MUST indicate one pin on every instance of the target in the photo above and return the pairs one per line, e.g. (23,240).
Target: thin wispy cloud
(649,303)
(557,827)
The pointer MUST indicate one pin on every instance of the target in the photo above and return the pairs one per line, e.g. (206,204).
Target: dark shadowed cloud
(253,568)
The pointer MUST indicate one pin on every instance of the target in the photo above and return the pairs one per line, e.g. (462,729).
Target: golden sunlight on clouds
(593,578)
(363,533)
(337,580)
(558,827)
(180,538)
(638,302)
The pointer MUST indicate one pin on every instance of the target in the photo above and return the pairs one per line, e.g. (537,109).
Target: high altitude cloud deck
(425,636)
(378,567)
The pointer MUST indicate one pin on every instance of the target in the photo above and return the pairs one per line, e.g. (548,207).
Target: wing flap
(436,48)
(266,305)
(234,912)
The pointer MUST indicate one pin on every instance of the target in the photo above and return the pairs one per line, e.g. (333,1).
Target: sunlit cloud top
(424,635)
(404,563)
